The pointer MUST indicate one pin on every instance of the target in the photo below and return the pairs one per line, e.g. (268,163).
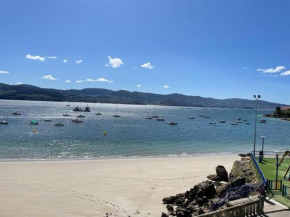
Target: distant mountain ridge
(29,92)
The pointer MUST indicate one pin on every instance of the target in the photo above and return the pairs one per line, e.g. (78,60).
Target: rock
(243,169)
(169,200)
(164,215)
(222,173)
(214,178)
(237,182)
(182,212)
(221,189)
(170,208)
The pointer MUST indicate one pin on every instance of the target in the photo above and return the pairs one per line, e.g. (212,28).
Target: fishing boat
(212,122)
(16,113)
(77,121)
(66,115)
(98,113)
(263,121)
(33,123)
(58,124)
(3,122)
(172,123)
(78,109)
(81,116)
(191,117)
(160,119)
(222,121)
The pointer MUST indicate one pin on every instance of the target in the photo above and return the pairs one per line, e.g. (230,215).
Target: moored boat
(66,115)
(160,119)
(81,116)
(58,124)
(3,122)
(172,123)
(149,117)
(98,113)
(191,117)
(234,123)
(33,122)
(212,122)
(16,113)
(77,121)
(263,120)
(222,121)
(155,116)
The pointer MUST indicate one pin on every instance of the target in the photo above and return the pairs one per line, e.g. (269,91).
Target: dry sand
(120,187)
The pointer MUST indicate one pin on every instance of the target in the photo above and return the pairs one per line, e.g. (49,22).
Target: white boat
(222,121)
(160,119)
(58,124)
(149,118)
(77,121)
(3,122)
(206,116)
(191,117)
(238,122)
(172,123)
(238,118)
(263,121)
(81,116)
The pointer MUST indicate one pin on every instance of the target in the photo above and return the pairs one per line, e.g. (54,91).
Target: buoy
(34,130)
(105,133)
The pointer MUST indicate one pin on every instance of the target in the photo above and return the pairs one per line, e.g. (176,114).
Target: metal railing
(258,169)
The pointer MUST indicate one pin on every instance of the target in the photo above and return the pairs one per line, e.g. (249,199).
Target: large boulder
(222,173)
(169,200)
(164,215)
(243,169)
(237,182)
(180,212)
(221,189)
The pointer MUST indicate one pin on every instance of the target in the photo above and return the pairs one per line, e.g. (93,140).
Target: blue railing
(263,178)
(236,193)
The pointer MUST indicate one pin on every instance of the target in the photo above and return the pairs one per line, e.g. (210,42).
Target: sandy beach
(120,187)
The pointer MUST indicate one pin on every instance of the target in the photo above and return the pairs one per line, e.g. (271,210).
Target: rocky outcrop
(221,174)
(243,169)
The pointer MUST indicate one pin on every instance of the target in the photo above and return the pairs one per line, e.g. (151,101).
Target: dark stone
(164,215)
(169,200)
(170,208)
(182,212)
(222,173)
(237,182)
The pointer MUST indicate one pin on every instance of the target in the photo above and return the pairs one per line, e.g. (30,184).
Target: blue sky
(220,49)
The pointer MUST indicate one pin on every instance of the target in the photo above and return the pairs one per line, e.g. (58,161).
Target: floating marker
(105,133)
(34,130)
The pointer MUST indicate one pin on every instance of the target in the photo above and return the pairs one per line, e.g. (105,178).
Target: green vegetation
(268,166)
(279,113)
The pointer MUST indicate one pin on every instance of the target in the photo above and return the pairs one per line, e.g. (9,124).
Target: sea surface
(131,135)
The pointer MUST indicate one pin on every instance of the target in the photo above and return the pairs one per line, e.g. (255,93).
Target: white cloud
(79,61)
(49,77)
(28,56)
(139,85)
(67,81)
(166,86)
(114,62)
(64,61)
(51,57)
(272,70)
(4,72)
(245,67)
(148,66)
(285,73)
(80,81)
(19,83)
(99,80)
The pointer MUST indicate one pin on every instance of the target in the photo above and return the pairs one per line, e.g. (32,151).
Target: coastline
(123,187)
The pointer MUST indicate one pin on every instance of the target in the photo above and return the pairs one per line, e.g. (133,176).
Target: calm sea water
(130,135)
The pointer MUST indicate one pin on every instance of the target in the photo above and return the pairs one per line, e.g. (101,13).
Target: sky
(219,49)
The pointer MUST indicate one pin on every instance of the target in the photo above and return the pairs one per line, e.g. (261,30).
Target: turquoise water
(130,135)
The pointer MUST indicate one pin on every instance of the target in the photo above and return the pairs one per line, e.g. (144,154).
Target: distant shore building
(285,108)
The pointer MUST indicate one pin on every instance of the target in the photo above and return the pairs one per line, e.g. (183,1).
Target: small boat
(212,122)
(263,121)
(67,105)
(77,121)
(248,123)
(172,123)
(16,113)
(78,109)
(149,118)
(33,123)
(206,116)
(81,116)
(47,120)
(58,124)
(98,113)
(116,116)
(155,116)
(222,121)
(160,119)
(191,117)
(238,122)
(66,115)
(238,118)
(3,122)
(234,124)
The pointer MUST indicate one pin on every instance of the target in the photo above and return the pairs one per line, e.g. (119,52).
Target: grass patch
(268,167)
